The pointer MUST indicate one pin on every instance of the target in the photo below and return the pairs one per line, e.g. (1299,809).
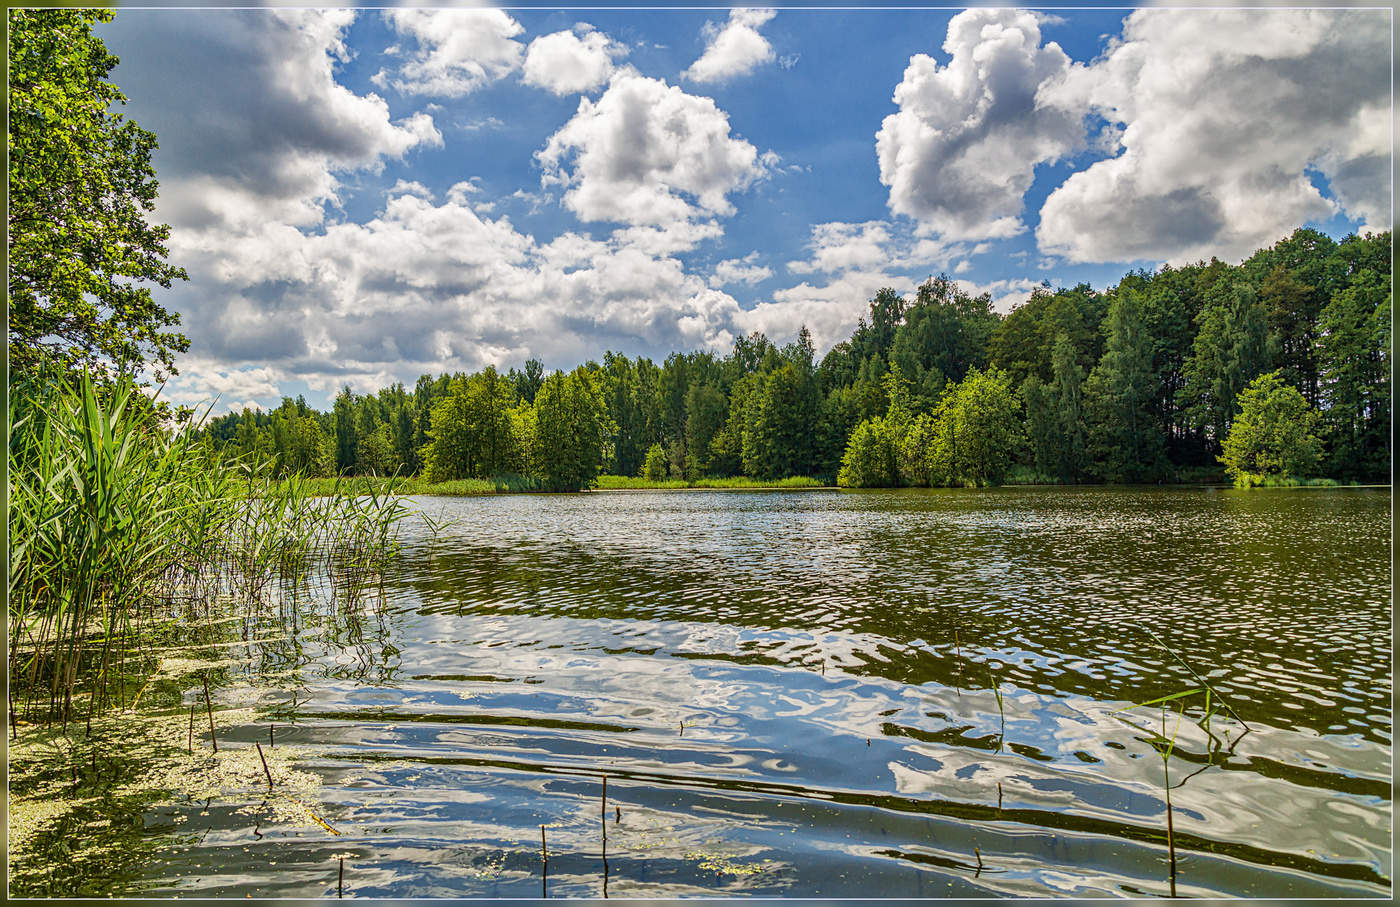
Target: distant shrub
(1274,438)
(870,457)
(654,469)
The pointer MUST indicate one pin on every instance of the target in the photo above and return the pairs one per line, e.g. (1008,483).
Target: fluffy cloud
(430,283)
(841,247)
(569,62)
(858,260)
(1216,118)
(647,153)
(744,270)
(961,152)
(284,129)
(457,52)
(734,49)
(242,181)
(830,312)
(1006,294)
(430,287)
(873,246)
(222,389)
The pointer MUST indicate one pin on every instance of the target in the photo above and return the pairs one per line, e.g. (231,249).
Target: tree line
(1140,383)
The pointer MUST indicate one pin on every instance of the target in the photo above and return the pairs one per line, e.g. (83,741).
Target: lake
(915,693)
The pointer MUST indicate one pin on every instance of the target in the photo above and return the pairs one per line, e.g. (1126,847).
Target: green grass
(611,483)
(1020,474)
(359,485)
(1253,480)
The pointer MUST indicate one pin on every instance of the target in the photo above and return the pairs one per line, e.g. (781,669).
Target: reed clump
(126,531)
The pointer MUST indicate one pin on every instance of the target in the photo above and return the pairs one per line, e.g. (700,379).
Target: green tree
(345,438)
(976,432)
(705,411)
(1072,456)
(621,388)
(777,438)
(1171,301)
(911,443)
(527,383)
(654,469)
(837,418)
(1016,345)
(1055,416)
(81,184)
(471,433)
(1125,440)
(1295,280)
(672,384)
(447,455)
(1042,425)
(870,457)
(944,335)
(1231,348)
(1274,436)
(727,446)
(572,431)
(375,454)
(1022,343)
(1293,308)
(1355,358)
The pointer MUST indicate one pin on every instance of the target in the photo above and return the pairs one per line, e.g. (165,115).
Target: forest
(1277,368)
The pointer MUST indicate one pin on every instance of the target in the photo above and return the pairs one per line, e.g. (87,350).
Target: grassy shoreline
(515,485)
(357,485)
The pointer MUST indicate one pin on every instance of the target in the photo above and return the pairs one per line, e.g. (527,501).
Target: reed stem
(209,710)
(264,765)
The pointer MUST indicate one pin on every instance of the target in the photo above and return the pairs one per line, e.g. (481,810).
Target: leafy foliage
(976,431)
(1274,436)
(81,185)
(1354,357)
(869,460)
(572,431)
(1124,441)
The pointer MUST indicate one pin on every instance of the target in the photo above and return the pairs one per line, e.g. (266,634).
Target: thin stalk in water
(1001,710)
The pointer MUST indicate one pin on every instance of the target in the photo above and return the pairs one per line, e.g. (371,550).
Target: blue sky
(364,196)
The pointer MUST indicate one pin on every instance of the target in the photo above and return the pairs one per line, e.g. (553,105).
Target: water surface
(791,694)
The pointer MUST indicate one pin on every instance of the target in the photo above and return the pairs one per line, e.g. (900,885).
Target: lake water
(790,694)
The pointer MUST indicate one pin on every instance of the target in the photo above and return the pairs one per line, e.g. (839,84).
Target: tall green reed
(118,521)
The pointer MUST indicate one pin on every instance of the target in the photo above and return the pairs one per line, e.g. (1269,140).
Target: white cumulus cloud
(734,49)
(830,312)
(744,270)
(1216,118)
(841,247)
(570,62)
(428,287)
(205,383)
(1007,293)
(873,245)
(648,153)
(284,131)
(961,152)
(857,261)
(457,52)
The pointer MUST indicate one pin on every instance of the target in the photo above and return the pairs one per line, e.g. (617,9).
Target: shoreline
(485,488)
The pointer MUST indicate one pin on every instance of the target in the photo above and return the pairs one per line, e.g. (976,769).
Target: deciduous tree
(1274,436)
(81,188)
